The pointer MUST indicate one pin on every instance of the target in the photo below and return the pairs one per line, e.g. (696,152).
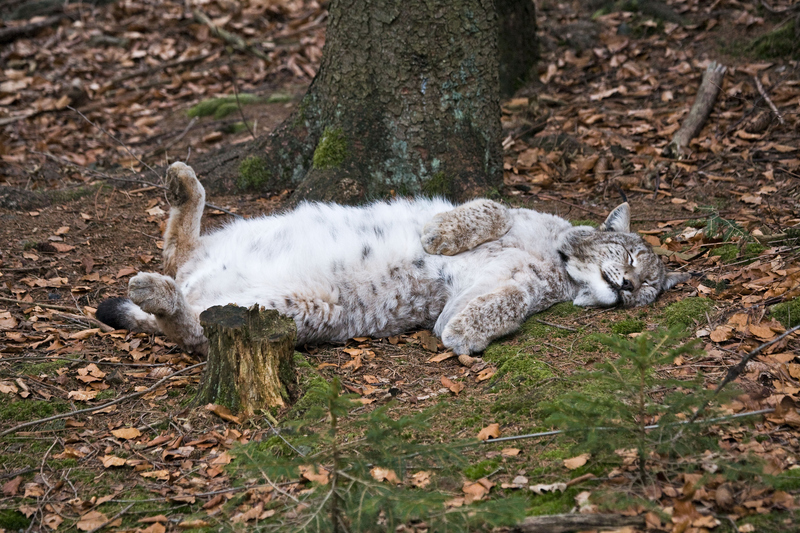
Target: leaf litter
(595,124)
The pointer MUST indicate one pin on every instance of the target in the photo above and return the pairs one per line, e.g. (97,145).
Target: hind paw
(154,293)
(437,240)
(183,185)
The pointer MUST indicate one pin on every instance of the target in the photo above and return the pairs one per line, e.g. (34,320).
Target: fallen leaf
(126,433)
(223,412)
(485,374)
(52,521)
(421,479)
(454,387)
(112,460)
(474,492)
(510,452)
(384,474)
(11,487)
(82,395)
(310,473)
(577,462)
(91,520)
(721,333)
(438,358)
(126,271)
(492,431)
(7,321)
(161,475)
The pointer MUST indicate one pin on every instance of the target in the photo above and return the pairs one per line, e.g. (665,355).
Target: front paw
(462,340)
(183,185)
(153,293)
(437,240)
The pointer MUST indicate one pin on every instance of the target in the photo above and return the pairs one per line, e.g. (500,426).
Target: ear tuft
(673,278)
(618,220)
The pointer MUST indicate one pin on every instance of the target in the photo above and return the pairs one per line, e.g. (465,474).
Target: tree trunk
(250,358)
(517,43)
(406,101)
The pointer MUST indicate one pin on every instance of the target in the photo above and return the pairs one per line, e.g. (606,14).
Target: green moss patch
(728,253)
(687,312)
(788,313)
(628,326)
(253,173)
(13,520)
(222,107)
(25,410)
(591,223)
(780,42)
(481,469)
(313,388)
(331,150)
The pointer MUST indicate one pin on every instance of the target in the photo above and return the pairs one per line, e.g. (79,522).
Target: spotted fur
(472,272)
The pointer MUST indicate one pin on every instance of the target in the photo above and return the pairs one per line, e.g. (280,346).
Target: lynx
(472,272)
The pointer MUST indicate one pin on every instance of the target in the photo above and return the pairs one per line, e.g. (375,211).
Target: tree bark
(517,43)
(250,358)
(406,101)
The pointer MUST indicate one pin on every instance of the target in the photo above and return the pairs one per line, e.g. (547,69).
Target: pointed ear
(673,278)
(618,220)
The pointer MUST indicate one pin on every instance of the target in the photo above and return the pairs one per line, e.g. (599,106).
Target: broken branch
(767,99)
(701,109)
(562,523)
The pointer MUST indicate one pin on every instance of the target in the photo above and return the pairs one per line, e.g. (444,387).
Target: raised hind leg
(465,227)
(187,197)
(160,296)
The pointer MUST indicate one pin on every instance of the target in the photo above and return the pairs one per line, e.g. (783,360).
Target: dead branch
(735,371)
(701,109)
(563,523)
(774,11)
(766,98)
(231,38)
(8,35)
(103,406)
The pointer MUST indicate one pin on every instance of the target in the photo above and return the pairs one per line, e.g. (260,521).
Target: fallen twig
(736,370)
(152,70)
(553,325)
(103,406)
(701,109)
(235,40)
(774,11)
(73,360)
(766,98)
(8,35)
(562,523)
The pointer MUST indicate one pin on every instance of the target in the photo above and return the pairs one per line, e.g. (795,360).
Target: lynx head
(613,266)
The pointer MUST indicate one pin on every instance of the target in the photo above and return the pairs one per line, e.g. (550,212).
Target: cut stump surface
(250,358)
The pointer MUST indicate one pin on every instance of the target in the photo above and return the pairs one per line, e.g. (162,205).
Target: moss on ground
(253,173)
(331,150)
(788,313)
(687,312)
(313,388)
(781,42)
(13,520)
(24,410)
(728,253)
(481,469)
(628,326)
(222,107)
(552,503)
(37,369)
(518,366)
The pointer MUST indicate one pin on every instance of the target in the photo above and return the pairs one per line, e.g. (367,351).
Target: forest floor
(106,93)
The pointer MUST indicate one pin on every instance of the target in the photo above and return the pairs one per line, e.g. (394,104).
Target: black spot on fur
(445,277)
(224,267)
(379,232)
(288,302)
(366,251)
(374,288)
(112,313)
(419,263)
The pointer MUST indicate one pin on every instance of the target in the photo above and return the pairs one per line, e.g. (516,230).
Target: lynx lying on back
(473,272)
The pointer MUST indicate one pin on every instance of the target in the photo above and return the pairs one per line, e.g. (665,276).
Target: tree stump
(250,358)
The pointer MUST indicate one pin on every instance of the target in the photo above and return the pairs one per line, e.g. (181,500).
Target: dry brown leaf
(578,461)
(126,271)
(82,395)
(52,521)
(762,331)
(510,452)
(438,358)
(11,487)
(223,412)
(7,321)
(721,334)
(454,387)
(354,363)
(112,460)
(474,492)
(154,528)
(126,433)
(485,374)
(379,473)
(91,520)
(492,431)
(421,479)
(311,473)
(161,475)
